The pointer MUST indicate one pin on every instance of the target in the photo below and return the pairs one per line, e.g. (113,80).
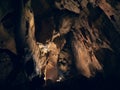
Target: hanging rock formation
(57,40)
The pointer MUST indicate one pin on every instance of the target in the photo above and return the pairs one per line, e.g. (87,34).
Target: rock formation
(56,40)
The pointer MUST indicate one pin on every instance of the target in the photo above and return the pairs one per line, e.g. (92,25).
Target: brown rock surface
(60,39)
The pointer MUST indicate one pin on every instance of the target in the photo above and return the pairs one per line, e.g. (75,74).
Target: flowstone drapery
(59,39)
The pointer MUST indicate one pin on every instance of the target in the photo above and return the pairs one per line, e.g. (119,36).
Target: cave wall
(82,38)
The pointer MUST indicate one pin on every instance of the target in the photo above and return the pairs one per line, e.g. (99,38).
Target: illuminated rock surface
(59,44)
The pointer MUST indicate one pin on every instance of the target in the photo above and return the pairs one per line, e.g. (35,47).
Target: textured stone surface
(58,40)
